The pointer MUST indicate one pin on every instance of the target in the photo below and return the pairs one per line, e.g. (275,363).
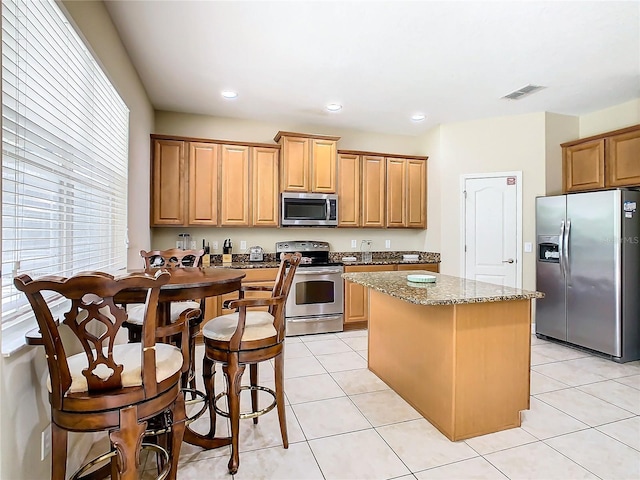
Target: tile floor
(344,423)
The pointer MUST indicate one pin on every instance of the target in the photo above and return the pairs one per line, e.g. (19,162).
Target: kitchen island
(457,350)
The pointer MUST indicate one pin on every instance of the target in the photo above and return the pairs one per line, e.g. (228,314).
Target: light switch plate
(528,247)
(243,245)
(354,244)
(387,244)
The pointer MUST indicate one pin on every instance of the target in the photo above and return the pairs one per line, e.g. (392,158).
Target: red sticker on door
(511,180)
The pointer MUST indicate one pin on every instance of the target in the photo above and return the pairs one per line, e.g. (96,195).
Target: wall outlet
(214,245)
(354,244)
(243,245)
(387,244)
(45,443)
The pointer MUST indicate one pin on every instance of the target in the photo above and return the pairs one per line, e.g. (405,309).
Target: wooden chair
(172,258)
(244,338)
(108,387)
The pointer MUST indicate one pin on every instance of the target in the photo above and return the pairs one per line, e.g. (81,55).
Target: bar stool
(108,387)
(172,258)
(247,338)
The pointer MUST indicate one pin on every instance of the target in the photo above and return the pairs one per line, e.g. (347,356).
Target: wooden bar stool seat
(248,337)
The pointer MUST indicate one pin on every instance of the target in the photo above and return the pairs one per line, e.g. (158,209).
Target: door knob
(511,260)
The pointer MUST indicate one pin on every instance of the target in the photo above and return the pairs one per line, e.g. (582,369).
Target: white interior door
(492,228)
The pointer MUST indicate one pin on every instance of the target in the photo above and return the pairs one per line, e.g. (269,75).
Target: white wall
(24,407)
(202,126)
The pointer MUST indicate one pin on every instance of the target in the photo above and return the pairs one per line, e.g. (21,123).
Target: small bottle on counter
(206,258)
(226,251)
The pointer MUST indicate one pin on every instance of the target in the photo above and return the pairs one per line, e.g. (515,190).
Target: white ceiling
(383,60)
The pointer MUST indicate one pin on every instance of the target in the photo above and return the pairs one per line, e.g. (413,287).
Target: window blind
(64,155)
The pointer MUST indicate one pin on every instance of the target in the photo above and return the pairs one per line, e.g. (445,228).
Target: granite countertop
(241,261)
(446,290)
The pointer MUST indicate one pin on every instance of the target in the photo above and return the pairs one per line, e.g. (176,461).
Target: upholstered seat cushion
(258,325)
(136,312)
(168,362)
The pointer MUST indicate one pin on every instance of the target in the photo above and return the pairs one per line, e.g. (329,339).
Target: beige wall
(201,126)
(558,129)
(24,411)
(492,145)
(612,118)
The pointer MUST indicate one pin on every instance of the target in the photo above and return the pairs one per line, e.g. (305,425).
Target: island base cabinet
(465,368)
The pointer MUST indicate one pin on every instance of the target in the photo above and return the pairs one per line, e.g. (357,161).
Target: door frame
(469,176)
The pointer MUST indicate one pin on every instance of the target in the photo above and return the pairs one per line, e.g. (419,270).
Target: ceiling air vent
(521,92)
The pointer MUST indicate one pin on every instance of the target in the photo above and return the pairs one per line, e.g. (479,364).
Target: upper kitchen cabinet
(406,193)
(308,162)
(373,191)
(234,186)
(623,155)
(349,190)
(583,166)
(203,183)
(210,183)
(264,191)
(608,160)
(168,183)
(416,193)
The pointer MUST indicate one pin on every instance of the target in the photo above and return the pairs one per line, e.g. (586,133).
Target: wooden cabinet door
(623,159)
(431,267)
(203,183)
(583,166)
(396,192)
(295,164)
(416,198)
(234,186)
(373,191)
(264,191)
(348,190)
(323,166)
(168,183)
(356,297)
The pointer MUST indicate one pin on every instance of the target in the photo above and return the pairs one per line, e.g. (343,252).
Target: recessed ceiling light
(418,117)
(229,94)
(334,107)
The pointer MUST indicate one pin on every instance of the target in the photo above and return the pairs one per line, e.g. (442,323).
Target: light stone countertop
(446,290)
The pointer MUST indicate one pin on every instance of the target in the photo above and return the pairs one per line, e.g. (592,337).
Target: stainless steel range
(316,297)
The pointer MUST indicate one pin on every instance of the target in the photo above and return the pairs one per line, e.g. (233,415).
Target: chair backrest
(284,279)
(95,318)
(172,258)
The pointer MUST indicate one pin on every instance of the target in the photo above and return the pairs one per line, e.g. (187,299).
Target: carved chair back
(95,319)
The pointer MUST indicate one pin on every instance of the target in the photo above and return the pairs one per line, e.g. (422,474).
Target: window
(64,158)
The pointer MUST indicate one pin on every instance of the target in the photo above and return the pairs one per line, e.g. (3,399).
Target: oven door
(315,291)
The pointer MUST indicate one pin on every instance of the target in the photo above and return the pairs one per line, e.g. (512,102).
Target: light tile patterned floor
(344,423)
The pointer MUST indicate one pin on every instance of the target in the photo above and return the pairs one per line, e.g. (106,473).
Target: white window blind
(64,156)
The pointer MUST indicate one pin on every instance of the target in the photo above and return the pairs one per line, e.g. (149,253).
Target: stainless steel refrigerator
(588,266)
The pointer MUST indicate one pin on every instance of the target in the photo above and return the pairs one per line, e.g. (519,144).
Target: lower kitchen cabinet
(356,297)
(430,267)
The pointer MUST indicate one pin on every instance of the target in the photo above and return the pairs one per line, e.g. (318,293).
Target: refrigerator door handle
(567,253)
(561,248)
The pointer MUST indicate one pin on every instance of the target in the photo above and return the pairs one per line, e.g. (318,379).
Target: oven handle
(313,319)
(317,272)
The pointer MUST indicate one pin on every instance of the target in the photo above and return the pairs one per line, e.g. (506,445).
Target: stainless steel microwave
(309,210)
